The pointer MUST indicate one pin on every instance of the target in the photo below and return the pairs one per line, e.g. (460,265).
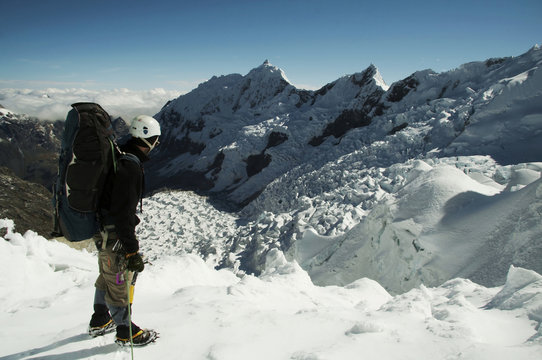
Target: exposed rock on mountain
(397,183)
(30,147)
(235,134)
(26,203)
(217,138)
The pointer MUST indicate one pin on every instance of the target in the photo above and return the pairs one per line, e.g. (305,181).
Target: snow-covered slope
(438,224)
(422,221)
(47,289)
(419,182)
(236,134)
(377,219)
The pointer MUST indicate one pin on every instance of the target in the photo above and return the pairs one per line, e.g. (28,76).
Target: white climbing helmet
(145,127)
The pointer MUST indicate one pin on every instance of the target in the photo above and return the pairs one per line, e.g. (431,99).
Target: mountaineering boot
(140,337)
(102,330)
(101,322)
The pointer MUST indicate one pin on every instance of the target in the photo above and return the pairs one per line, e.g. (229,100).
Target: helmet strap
(151,146)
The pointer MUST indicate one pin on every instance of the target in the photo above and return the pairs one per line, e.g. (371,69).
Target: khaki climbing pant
(112,266)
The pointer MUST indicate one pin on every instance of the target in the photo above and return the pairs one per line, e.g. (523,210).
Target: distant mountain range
(235,134)
(29,147)
(433,177)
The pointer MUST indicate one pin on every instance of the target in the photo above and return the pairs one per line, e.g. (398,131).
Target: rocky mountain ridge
(234,134)
(29,146)
(27,204)
(360,179)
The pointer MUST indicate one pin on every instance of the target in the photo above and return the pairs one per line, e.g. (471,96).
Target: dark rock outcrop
(29,147)
(27,204)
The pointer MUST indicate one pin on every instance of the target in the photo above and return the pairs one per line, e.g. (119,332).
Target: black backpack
(88,153)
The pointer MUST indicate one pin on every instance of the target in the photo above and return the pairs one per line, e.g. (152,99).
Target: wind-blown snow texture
(416,183)
(46,293)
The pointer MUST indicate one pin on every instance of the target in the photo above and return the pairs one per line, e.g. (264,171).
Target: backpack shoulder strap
(131,157)
(135,159)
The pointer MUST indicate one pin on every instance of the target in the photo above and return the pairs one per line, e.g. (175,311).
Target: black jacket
(122,194)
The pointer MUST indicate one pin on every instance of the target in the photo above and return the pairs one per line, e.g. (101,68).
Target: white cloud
(54,104)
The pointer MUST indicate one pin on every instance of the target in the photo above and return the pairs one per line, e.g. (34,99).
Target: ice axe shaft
(132,284)
(132,287)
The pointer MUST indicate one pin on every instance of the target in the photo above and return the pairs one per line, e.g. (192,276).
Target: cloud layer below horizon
(54,104)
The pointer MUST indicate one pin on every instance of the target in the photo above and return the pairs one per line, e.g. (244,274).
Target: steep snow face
(431,178)
(509,124)
(236,134)
(419,222)
(437,224)
(260,85)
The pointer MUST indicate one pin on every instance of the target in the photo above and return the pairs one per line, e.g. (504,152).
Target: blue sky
(176,45)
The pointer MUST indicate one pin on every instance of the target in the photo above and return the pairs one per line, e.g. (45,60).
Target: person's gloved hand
(134,262)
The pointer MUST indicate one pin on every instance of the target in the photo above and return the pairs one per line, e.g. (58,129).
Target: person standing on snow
(117,243)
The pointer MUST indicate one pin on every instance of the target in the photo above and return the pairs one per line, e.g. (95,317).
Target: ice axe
(133,282)
(130,289)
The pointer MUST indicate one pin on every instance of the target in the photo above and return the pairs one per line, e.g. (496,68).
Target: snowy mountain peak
(371,75)
(236,134)
(267,72)
(379,79)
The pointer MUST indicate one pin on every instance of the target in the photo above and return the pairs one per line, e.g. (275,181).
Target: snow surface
(46,293)
(421,244)
(490,107)
(443,182)
(420,222)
